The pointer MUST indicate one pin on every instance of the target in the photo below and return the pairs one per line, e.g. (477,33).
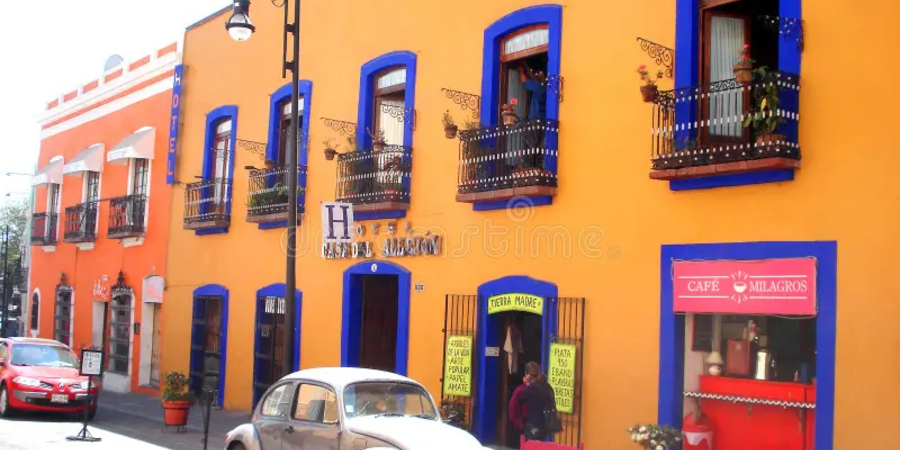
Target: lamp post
(241,28)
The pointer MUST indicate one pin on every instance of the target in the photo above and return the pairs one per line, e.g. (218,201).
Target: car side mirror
(2,363)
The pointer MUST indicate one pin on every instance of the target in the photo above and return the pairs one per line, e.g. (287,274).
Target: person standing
(539,401)
(517,411)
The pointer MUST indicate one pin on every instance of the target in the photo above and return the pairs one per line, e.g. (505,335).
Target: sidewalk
(141,417)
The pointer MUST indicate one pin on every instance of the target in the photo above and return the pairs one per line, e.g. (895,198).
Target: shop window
(35,310)
(316,404)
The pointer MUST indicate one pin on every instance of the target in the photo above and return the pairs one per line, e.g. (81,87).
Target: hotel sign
(173,124)
(770,286)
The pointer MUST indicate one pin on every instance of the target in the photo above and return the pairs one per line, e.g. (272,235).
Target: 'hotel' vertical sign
(173,124)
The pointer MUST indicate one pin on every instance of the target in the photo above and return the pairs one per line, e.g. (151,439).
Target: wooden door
(157,346)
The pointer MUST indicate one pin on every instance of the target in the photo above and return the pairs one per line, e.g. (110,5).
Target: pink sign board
(770,286)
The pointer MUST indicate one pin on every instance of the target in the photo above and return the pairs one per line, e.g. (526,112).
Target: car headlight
(25,381)
(84,384)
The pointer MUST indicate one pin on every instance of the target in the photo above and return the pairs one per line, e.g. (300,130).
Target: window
(92,186)
(35,310)
(140,177)
(316,404)
(62,317)
(523,71)
(221,152)
(120,333)
(372,398)
(278,402)
(53,199)
(390,102)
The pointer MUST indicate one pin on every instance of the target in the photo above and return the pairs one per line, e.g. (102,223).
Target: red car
(42,375)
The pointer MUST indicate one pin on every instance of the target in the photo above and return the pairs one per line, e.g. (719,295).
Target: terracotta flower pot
(378,145)
(330,153)
(742,72)
(649,92)
(450,131)
(509,118)
(769,138)
(176,413)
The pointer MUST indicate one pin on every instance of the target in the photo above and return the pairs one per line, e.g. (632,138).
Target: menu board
(561,375)
(458,366)
(703,333)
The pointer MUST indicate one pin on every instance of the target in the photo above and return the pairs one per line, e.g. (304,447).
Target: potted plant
(330,152)
(450,128)
(176,399)
(649,89)
(378,140)
(655,437)
(765,118)
(454,414)
(509,112)
(742,70)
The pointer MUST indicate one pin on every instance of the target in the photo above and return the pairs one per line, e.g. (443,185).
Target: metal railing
(374,176)
(81,222)
(503,157)
(43,228)
(714,123)
(208,201)
(127,215)
(268,191)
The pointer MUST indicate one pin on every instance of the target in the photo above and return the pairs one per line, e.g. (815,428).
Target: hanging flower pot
(378,145)
(509,113)
(330,154)
(648,92)
(743,72)
(450,131)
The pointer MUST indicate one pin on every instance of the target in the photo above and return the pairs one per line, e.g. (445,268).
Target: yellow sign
(516,302)
(562,375)
(458,366)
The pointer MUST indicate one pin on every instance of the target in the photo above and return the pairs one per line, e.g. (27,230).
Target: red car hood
(50,373)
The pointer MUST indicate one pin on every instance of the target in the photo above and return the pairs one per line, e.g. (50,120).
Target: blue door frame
(196,359)
(486,376)
(352,311)
(671,331)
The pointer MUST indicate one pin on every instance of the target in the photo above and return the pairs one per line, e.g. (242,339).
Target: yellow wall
(844,192)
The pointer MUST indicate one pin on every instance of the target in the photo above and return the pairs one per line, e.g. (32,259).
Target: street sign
(337,223)
(91,362)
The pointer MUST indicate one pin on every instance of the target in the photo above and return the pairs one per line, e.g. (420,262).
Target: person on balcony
(536,85)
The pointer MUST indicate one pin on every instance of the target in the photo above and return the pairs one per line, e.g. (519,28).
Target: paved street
(129,421)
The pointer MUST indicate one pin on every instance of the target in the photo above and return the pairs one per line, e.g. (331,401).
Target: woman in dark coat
(537,398)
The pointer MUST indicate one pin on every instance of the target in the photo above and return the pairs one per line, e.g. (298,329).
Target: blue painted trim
(273,225)
(208,18)
(278,290)
(788,53)
(365,114)
(374,215)
(513,203)
(351,301)
(213,118)
(551,15)
(210,231)
(173,123)
(737,179)
(219,291)
(282,94)
(671,336)
(486,379)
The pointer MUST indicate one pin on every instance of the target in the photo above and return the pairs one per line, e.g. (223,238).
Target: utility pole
(5,299)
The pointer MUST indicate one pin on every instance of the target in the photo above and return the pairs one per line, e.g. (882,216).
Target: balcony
(267,196)
(375,180)
(127,217)
(43,229)
(207,204)
(726,128)
(81,223)
(501,162)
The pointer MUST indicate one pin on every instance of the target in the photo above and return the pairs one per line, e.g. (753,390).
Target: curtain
(393,132)
(726,41)
(515,89)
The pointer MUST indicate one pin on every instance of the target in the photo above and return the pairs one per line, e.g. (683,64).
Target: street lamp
(241,28)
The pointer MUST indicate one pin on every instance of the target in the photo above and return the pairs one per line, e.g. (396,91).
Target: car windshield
(387,398)
(42,355)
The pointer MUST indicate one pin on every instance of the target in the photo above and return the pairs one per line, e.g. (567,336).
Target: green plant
(655,437)
(176,388)
(447,120)
(645,75)
(764,116)
(454,414)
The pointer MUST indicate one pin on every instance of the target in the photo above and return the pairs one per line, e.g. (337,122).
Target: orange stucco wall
(108,257)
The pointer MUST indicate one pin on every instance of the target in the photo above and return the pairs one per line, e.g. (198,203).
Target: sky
(51,47)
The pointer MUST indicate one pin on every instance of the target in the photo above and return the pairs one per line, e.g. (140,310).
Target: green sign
(516,302)
(561,375)
(458,366)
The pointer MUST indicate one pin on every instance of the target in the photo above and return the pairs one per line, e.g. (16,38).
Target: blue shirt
(538,107)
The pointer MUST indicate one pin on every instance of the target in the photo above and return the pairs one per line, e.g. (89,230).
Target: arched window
(35,310)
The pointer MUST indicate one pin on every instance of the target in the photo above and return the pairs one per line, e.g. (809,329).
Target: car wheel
(5,409)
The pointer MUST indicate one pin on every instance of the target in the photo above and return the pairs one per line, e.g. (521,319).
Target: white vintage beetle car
(347,409)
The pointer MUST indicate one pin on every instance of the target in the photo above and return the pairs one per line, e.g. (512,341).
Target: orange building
(100,221)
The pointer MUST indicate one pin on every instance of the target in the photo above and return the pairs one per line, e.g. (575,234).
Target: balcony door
(222,152)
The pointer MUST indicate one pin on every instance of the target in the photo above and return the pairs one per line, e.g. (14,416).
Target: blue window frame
(549,15)
(213,119)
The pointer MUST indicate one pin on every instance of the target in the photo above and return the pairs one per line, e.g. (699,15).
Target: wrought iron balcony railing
(375,180)
(207,204)
(43,228)
(127,216)
(505,161)
(267,196)
(81,222)
(726,122)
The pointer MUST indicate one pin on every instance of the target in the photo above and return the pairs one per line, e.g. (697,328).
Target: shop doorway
(270,337)
(521,335)
(375,322)
(206,343)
